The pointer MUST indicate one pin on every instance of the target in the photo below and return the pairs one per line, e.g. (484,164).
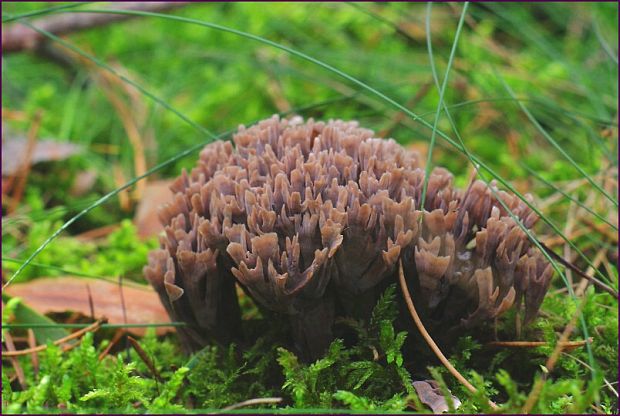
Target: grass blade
(550,139)
(442,91)
(514,217)
(476,160)
(136,179)
(566,195)
(49,10)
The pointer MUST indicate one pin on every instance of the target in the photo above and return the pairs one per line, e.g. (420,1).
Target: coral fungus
(310,219)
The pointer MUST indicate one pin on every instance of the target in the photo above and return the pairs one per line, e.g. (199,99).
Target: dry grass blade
(19,372)
(127,116)
(145,357)
(602,229)
(557,240)
(32,343)
(77,334)
(429,340)
(21,177)
(575,269)
(91,305)
(115,340)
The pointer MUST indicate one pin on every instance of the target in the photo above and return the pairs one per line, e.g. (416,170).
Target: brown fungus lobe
(311,219)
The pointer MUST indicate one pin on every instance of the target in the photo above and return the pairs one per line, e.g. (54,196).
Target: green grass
(526,92)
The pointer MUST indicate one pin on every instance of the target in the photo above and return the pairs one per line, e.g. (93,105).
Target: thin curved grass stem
(442,90)
(13,17)
(429,340)
(559,148)
(539,177)
(474,159)
(551,256)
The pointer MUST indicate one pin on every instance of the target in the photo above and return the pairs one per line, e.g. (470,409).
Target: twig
(17,37)
(19,372)
(251,402)
(91,305)
(568,345)
(32,343)
(429,340)
(117,337)
(145,357)
(95,326)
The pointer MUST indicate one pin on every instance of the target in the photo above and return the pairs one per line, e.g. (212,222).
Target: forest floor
(96,122)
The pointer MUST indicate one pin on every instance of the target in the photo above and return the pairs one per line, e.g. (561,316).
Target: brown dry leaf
(430,394)
(67,293)
(14,153)
(146,219)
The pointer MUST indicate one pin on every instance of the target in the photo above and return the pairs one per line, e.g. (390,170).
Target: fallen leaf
(67,293)
(14,153)
(156,193)
(430,394)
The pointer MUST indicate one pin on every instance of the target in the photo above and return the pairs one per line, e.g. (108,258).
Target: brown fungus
(310,219)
